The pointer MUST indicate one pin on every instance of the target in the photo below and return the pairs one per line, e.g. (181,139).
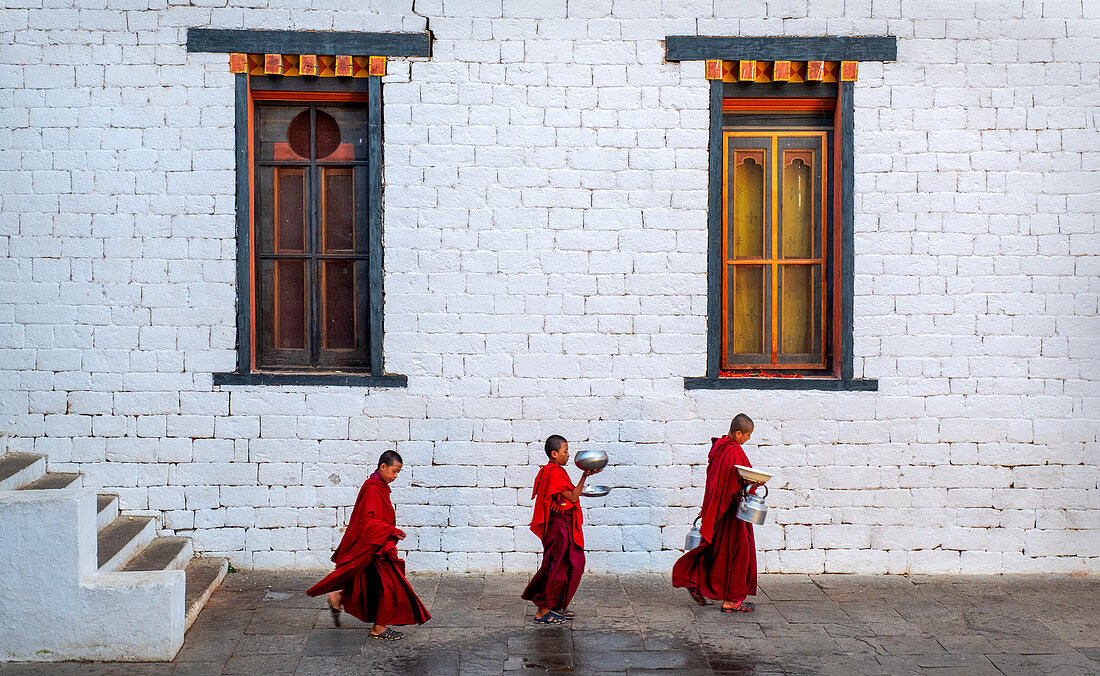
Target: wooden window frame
(839,374)
(250,90)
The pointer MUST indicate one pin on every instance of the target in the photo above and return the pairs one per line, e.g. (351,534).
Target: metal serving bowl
(591,460)
(595,491)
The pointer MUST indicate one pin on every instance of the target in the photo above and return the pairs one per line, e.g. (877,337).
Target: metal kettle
(694,537)
(752,508)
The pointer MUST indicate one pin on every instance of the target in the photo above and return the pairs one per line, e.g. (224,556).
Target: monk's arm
(575,494)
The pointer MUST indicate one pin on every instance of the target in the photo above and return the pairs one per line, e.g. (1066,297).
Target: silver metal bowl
(595,491)
(591,460)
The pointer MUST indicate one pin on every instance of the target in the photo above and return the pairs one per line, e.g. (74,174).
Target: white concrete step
(52,481)
(203,577)
(106,510)
(17,469)
(163,553)
(119,540)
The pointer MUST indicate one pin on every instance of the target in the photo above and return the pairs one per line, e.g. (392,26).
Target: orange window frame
(829,258)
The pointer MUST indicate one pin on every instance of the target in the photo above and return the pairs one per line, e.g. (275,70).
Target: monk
(557,522)
(369,580)
(723,566)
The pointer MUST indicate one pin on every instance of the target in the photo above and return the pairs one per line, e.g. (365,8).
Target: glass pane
(746,309)
(342,134)
(290,305)
(799,309)
(747,208)
(278,127)
(797,215)
(339,305)
(338,200)
(290,209)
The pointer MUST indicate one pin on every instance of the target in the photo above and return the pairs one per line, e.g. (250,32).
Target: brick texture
(545,228)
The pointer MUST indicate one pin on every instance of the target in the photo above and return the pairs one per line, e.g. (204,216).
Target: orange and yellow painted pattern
(315,65)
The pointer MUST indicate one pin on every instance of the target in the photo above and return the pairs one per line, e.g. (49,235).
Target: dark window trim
(244,375)
(309,42)
(844,136)
(701,47)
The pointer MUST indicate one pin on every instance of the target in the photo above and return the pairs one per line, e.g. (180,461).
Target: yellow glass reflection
(796,326)
(798,210)
(747,311)
(748,207)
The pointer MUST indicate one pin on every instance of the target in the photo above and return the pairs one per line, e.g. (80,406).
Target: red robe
(557,522)
(368,571)
(723,567)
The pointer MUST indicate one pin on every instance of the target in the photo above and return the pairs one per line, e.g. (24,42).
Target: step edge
(25,475)
(200,601)
(139,541)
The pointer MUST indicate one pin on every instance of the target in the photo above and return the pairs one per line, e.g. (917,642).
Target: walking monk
(557,522)
(723,567)
(369,580)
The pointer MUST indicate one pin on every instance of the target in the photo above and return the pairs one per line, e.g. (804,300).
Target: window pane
(338,199)
(342,134)
(280,133)
(290,305)
(800,310)
(747,208)
(746,309)
(797,215)
(339,305)
(290,209)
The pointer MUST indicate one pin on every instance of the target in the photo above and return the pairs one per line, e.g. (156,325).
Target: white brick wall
(545,273)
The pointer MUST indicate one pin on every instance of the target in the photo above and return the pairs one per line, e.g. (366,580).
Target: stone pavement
(263,623)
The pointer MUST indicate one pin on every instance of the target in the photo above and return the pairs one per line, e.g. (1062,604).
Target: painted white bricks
(545,224)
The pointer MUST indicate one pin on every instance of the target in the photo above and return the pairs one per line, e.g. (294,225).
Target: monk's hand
(399,534)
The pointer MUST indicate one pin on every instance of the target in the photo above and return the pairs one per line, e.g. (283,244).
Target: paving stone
(333,642)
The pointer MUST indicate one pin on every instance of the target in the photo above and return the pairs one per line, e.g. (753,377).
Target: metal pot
(694,537)
(591,460)
(752,508)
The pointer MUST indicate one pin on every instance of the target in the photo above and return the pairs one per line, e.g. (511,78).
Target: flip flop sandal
(388,635)
(567,614)
(742,607)
(698,597)
(550,618)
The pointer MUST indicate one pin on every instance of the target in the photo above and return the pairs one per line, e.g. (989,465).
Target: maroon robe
(557,522)
(723,567)
(369,574)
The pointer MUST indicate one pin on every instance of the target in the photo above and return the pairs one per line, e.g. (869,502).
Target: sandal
(699,598)
(550,618)
(388,635)
(567,614)
(335,616)
(741,607)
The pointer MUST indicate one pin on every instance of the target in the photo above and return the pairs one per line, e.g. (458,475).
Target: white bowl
(754,475)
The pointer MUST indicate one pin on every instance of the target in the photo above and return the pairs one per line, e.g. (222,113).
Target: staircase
(79,580)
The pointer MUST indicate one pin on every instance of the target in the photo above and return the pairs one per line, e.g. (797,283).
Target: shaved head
(741,423)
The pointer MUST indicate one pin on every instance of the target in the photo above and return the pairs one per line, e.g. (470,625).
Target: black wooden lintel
(829,384)
(337,379)
(701,47)
(309,42)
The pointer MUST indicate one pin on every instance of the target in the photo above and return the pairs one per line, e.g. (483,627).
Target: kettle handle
(745,491)
(696,520)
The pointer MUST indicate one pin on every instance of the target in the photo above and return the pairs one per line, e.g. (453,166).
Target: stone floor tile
(197,668)
(334,642)
(261,664)
(270,644)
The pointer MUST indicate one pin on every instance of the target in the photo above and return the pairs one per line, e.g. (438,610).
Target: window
(309,202)
(311,235)
(777,275)
(780,208)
